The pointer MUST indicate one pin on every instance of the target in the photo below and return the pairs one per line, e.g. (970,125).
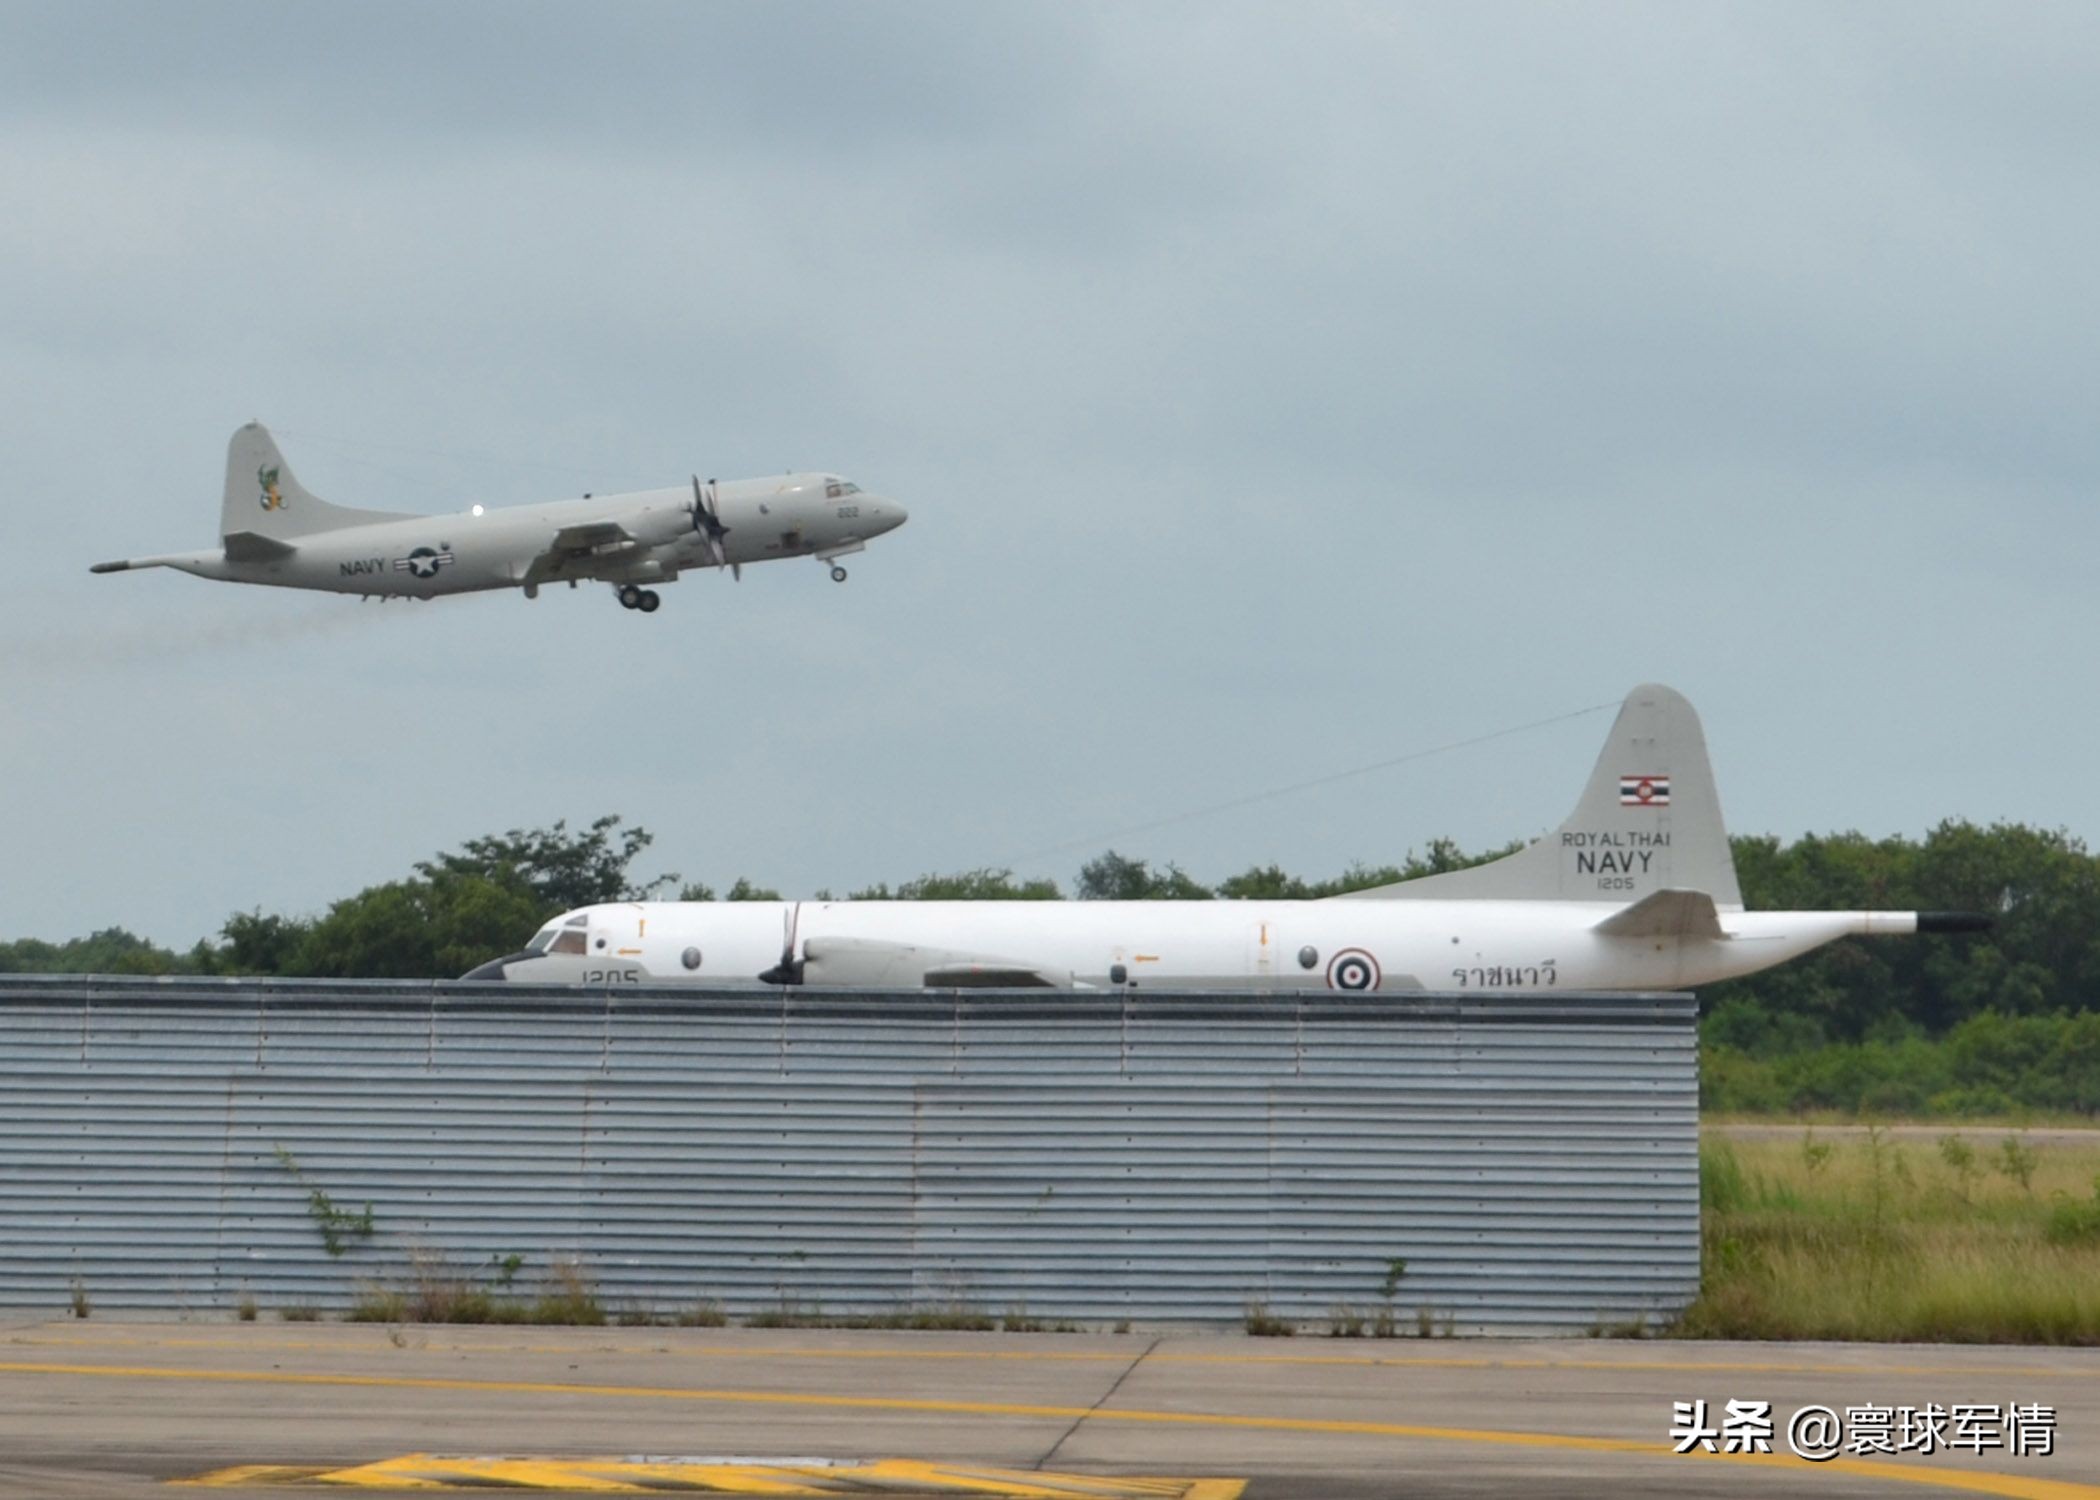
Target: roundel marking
(1353,969)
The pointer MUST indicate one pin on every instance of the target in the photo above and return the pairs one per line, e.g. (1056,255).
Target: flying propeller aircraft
(273,530)
(1636,890)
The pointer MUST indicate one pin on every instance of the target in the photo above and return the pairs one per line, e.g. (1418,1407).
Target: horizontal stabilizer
(1665,914)
(118,566)
(253,546)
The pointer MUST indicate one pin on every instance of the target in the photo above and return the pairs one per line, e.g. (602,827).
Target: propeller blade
(707,522)
(789,969)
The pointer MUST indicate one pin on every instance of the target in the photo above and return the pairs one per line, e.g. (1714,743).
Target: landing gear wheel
(838,574)
(630,596)
(648,602)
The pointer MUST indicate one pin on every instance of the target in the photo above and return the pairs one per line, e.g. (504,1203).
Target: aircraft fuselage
(1222,945)
(422,557)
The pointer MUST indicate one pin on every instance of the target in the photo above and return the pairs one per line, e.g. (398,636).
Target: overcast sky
(1275,389)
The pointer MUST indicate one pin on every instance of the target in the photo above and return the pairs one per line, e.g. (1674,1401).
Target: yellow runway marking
(803,1479)
(2088,1371)
(2013,1486)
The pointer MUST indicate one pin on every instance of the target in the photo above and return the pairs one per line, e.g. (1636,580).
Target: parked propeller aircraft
(273,530)
(1636,890)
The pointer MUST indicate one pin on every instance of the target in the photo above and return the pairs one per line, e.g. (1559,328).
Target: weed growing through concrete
(1263,1324)
(435,1290)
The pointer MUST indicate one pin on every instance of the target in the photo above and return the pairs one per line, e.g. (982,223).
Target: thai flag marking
(1644,791)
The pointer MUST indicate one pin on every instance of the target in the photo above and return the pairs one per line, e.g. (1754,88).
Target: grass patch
(954,1317)
(1264,1324)
(1967,1239)
(434,1290)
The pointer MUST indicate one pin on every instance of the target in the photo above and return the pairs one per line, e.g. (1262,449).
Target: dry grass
(1863,1237)
(435,1290)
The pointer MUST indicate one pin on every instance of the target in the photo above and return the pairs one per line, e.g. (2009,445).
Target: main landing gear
(645,600)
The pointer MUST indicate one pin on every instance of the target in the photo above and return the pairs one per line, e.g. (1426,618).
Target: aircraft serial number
(1504,977)
(612,976)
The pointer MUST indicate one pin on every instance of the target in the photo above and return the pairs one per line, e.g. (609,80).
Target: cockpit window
(567,938)
(834,488)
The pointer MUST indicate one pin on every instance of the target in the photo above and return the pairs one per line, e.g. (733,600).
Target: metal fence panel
(1463,1163)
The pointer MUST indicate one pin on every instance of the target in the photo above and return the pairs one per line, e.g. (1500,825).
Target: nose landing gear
(645,600)
(838,574)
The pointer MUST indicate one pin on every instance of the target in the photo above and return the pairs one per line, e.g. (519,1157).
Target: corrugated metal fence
(1146,1155)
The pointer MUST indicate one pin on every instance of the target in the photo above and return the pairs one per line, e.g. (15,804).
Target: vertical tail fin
(263,498)
(1649,820)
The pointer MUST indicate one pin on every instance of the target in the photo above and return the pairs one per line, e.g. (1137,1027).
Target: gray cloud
(1274,389)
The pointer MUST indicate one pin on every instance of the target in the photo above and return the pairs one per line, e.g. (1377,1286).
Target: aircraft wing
(875,963)
(578,544)
(987,976)
(1672,914)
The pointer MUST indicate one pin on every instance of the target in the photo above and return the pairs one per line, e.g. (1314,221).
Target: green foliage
(1112,877)
(416,929)
(2074,1221)
(2042,885)
(965,885)
(259,944)
(1988,1065)
(560,869)
(337,1225)
(2017,1161)
(110,951)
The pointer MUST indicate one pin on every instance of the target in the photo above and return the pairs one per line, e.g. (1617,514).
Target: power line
(1099,840)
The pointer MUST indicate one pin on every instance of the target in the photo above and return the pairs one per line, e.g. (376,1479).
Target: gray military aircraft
(273,530)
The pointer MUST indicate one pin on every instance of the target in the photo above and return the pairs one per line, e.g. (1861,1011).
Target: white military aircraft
(272,530)
(1637,890)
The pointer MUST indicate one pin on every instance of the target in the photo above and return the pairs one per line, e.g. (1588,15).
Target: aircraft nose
(493,969)
(889,515)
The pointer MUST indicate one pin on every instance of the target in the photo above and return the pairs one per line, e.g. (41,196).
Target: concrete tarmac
(112,1410)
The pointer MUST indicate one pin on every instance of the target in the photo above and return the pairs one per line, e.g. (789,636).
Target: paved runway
(291,1410)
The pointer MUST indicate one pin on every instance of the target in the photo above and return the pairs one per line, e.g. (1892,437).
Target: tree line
(2010,1018)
